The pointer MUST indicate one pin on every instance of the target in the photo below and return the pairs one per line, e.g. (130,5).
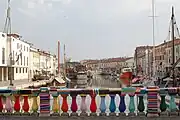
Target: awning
(168,79)
(135,80)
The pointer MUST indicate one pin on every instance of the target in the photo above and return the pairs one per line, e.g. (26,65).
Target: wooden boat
(71,73)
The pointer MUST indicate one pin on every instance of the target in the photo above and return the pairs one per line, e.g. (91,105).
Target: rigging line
(177,30)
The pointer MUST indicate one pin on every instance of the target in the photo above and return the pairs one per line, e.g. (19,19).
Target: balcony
(124,103)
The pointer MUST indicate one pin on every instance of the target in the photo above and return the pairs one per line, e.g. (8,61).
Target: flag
(18,57)
(19,54)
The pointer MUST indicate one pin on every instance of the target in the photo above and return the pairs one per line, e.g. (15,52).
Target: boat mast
(64,62)
(136,62)
(58,57)
(153,29)
(148,62)
(173,39)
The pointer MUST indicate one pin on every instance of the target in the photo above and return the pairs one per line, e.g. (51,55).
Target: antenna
(7,26)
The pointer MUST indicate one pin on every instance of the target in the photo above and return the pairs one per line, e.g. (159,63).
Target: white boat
(103,72)
(81,73)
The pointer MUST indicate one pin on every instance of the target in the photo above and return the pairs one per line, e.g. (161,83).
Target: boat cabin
(58,81)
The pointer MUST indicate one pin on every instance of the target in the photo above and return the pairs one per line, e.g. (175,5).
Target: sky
(90,29)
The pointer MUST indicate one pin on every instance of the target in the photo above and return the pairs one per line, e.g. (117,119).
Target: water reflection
(98,81)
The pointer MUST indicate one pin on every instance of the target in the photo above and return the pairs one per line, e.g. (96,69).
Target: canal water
(98,81)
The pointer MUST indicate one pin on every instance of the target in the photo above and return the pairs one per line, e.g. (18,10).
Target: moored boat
(89,74)
(126,77)
(71,74)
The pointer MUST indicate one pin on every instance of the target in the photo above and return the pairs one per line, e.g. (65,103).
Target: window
(27,61)
(24,61)
(26,70)
(27,49)
(19,70)
(24,48)
(16,70)
(23,70)
(17,45)
(177,49)
(21,59)
(18,62)
(3,55)
(13,55)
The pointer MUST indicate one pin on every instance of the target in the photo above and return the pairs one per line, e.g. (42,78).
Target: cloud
(27,13)
(62,1)
(31,4)
(66,1)
(135,6)
(34,8)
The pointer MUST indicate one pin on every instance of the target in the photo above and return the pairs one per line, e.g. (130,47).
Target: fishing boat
(126,77)
(81,73)
(71,73)
(102,71)
(89,74)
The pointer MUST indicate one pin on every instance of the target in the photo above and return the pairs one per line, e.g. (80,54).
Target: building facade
(42,62)
(110,64)
(14,58)
(163,58)
(34,62)
(3,57)
(143,58)
(20,51)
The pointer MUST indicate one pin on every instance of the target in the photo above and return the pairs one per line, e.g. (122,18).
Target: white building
(20,51)
(47,62)
(3,57)
(34,62)
(42,61)
(12,46)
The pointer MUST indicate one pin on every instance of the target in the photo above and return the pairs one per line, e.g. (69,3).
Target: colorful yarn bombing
(44,101)
(152,101)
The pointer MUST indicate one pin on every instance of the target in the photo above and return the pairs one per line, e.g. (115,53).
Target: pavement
(86,118)
(20,83)
(15,82)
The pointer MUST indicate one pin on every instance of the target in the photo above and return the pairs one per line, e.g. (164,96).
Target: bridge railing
(132,101)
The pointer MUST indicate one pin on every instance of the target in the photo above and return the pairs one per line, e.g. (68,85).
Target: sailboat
(69,72)
(171,78)
(59,80)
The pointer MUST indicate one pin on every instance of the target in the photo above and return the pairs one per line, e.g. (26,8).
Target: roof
(118,59)
(169,43)
(59,79)
(14,35)
(144,47)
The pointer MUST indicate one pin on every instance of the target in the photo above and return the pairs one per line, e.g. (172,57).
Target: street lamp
(11,83)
